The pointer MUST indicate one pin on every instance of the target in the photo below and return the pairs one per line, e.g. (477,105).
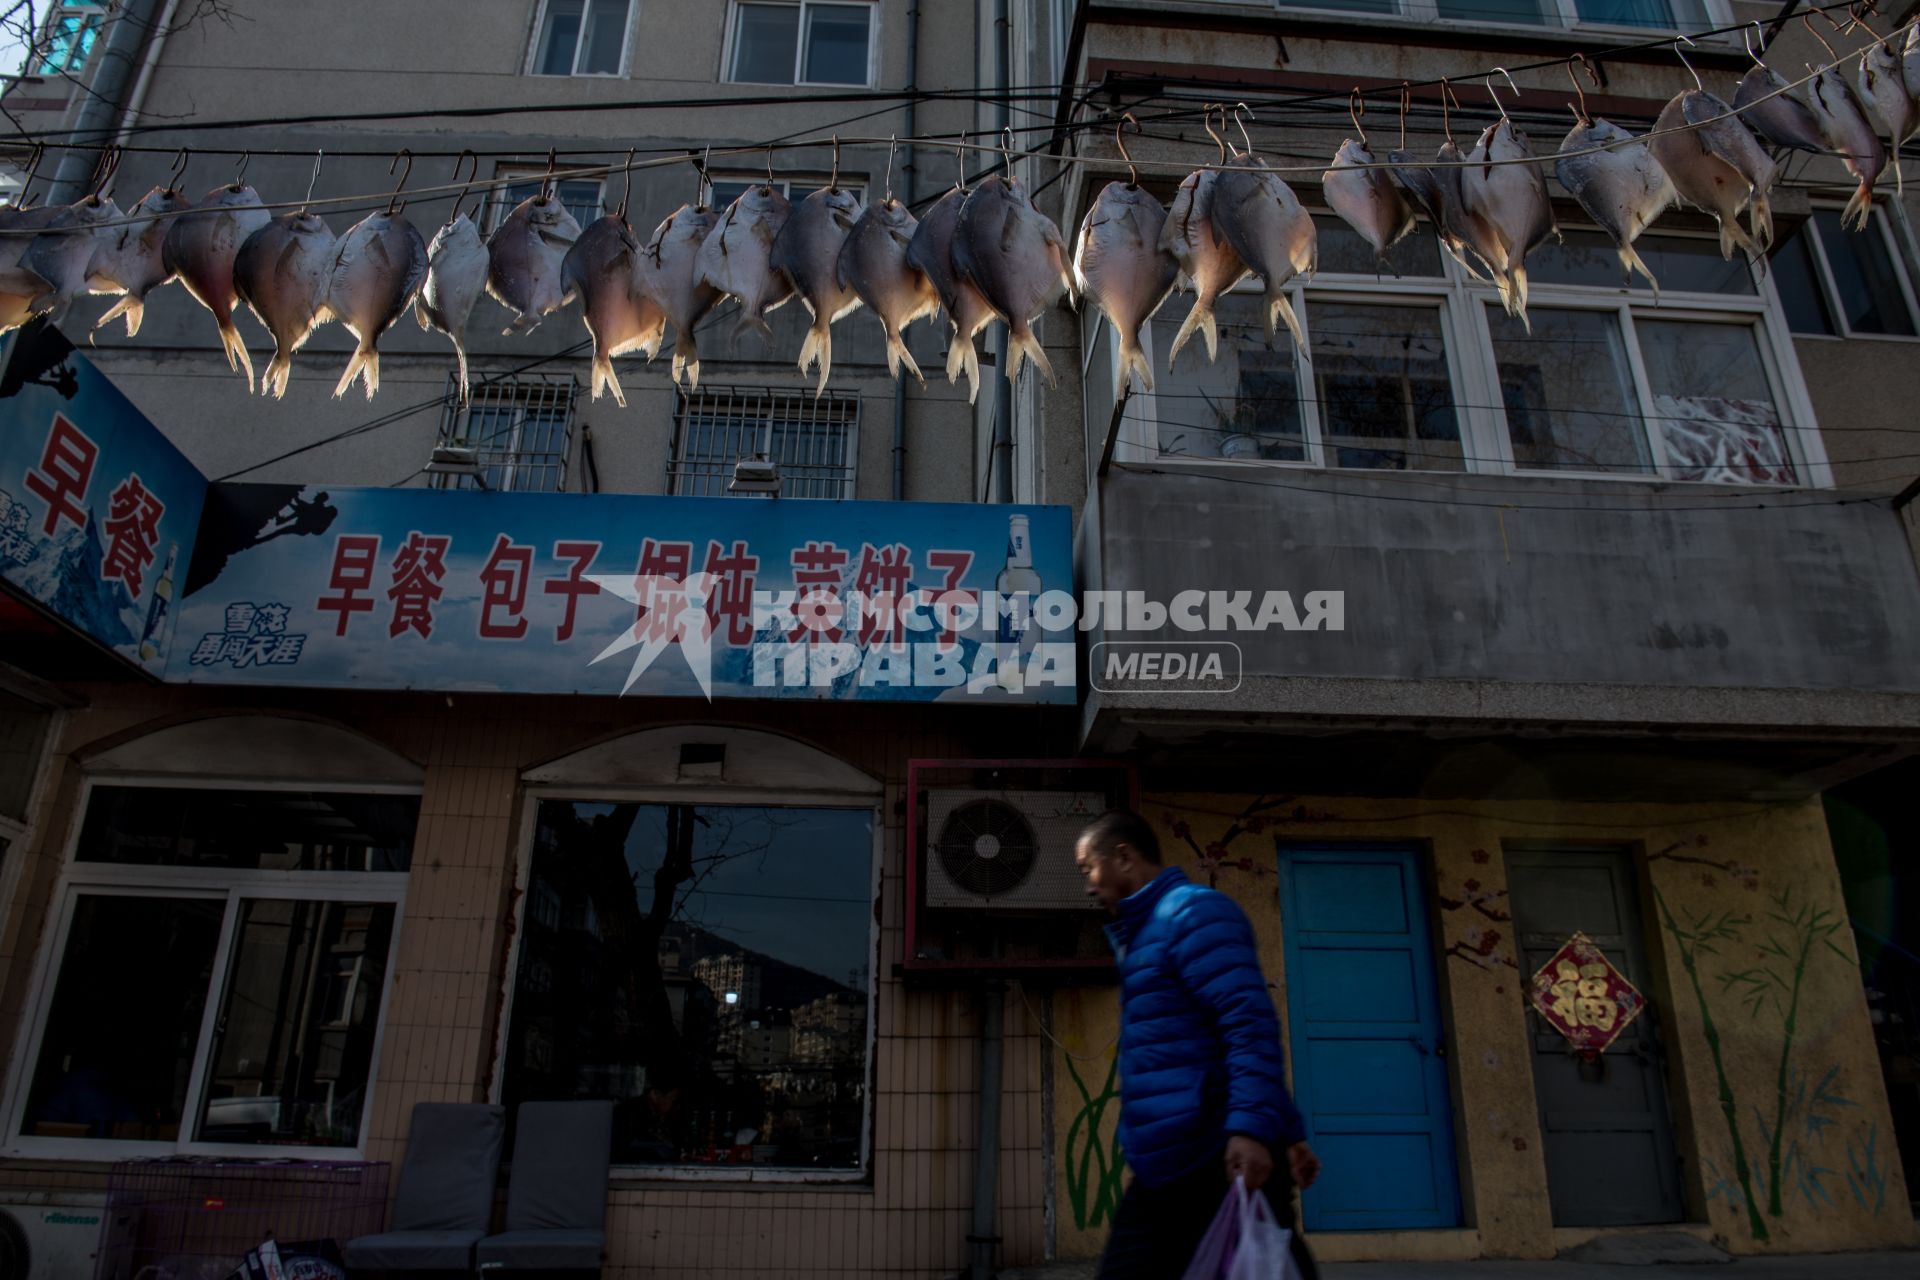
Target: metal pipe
(986,1170)
(906,196)
(1001,461)
(148,61)
(105,94)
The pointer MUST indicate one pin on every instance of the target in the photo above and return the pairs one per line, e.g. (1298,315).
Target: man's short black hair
(1123,826)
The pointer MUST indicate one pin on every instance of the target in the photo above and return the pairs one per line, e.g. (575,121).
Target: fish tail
(1760,215)
(603,378)
(818,346)
(1630,262)
(1519,277)
(1201,317)
(1025,346)
(237,357)
(956,356)
(686,359)
(274,382)
(364,365)
(130,307)
(1134,361)
(420,313)
(1858,208)
(897,355)
(970,364)
(752,324)
(1278,306)
(460,360)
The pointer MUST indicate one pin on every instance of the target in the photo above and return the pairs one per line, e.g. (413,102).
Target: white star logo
(676,615)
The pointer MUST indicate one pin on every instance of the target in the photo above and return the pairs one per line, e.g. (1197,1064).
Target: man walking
(1203,1096)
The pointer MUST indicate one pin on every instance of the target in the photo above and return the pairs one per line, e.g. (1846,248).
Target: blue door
(1363,1017)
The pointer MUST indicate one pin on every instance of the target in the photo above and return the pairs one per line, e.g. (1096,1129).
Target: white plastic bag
(1211,1259)
(1264,1249)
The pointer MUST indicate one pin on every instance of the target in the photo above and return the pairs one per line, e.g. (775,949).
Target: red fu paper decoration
(1584,998)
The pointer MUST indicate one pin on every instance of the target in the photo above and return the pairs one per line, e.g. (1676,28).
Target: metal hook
(240,172)
(1746,38)
(1688,65)
(1495,95)
(769,168)
(1815,32)
(467,186)
(960,161)
(319,158)
(178,173)
(109,162)
(546,183)
(1206,122)
(1355,109)
(1406,105)
(394,203)
(1242,124)
(1446,115)
(1119,140)
(833,179)
(1006,149)
(886,184)
(627,195)
(705,186)
(1580,113)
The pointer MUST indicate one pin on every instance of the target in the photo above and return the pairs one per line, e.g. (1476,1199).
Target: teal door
(1369,1060)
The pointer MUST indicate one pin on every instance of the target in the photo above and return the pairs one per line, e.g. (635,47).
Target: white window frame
(1830,293)
(1719,14)
(1485,440)
(786,185)
(540,26)
(507,176)
(800,44)
(735,797)
(78,879)
(39,55)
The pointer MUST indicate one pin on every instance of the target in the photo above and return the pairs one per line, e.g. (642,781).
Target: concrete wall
(1760,869)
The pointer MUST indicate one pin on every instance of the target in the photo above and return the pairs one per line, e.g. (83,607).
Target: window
(1662,15)
(728,187)
(582,38)
(708,968)
(1423,370)
(809,42)
(1844,283)
(520,429)
(219,971)
(814,441)
(584,198)
(72,31)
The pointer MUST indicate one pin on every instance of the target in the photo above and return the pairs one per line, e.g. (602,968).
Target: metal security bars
(520,430)
(814,441)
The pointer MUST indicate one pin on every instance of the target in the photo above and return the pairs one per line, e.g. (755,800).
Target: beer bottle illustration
(157,610)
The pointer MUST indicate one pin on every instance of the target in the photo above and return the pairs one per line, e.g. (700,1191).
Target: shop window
(519,429)
(220,972)
(582,38)
(584,198)
(714,979)
(71,33)
(808,42)
(1845,283)
(813,439)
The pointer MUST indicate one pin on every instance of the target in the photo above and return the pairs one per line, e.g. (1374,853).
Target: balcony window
(71,32)
(519,428)
(1845,283)
(809,42)
(814,441)
(582,38)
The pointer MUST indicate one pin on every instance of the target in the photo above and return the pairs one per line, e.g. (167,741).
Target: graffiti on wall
(1483,942)
(1094,1162)
(1262,815)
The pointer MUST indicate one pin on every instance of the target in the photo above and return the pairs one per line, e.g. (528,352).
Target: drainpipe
(906,196)
(986,1170)
(108,91)
(1002,460)
(152,59)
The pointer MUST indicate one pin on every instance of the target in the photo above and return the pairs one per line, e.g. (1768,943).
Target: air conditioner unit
(1007,850)
(48,1241)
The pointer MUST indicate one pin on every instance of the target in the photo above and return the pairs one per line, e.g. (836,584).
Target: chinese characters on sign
(1582,996)
(255,635)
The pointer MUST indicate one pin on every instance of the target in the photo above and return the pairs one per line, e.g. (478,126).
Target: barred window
(520,430)
(813,441)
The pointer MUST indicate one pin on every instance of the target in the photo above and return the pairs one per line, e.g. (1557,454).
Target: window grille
(814,441)
(584,198)
(520,429)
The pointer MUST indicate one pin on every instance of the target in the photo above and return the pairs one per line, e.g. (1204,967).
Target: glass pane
(1568,392)
(837,43)
(1863,277)
(1681,263)
(580,196)
(1386,399)
(293,1047)
(1627,13)
(1353,6)
(606,38)
(764,39)
(1246,404)
(1714,403)
(1532,12)
(249,830)
(1343,251)
(562,36)
(125,1019)
(708,968)
(1798,284)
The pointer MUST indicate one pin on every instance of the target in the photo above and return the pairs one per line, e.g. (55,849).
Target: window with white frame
(519,429)
(581,38)
(728,187)
(72,30)
(1423,370)
(1660,15)
(802,42)
(218,970)
(1841,283)
(814,440)
(584,198)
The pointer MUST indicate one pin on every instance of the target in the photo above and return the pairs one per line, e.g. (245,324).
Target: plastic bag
(1244,1242)
(1216,1247)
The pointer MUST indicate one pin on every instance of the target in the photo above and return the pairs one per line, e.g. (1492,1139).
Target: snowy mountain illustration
(64,575)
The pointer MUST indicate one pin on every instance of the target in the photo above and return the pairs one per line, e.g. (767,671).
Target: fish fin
(1630,262)
(956,358)
(686,359)
(420,313)
(1519,277)
(1024,346)
(1195,318)
(1279,308)
(970,365)
(818,346)
(1760,216)
(460,359)
(236,348)
(897,355)
(1134,361)
(1854,216)
(603,379)
(353,371)
(130,307)
(752,324)
(274,382)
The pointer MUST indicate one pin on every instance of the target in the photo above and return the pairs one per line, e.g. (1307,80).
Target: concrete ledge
(1395,1246)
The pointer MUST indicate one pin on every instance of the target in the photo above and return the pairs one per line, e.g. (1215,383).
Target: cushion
(558,1176)
(451,1165)
(559,1250)
(413,1251)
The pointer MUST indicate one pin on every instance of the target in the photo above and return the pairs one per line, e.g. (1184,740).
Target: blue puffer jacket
(1199,1043)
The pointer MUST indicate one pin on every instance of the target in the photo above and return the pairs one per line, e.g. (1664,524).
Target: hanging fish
(665,271)
(1622,188)
(457,266)
(931,252)
(807,250)
(1208,265)
(1782,119)
(1435,189)
(599,270)
(130,263)
(1258,214)
(14,245)
(1508,208)
(737,258)
(1844,126)
(1718,166)
(524,258)
(1910,60)
(282,273)
(63,255)
(200,248)
(1014,255)
(377,268)
(1118,264)
(1366,199)
(873,263)
(1883,91)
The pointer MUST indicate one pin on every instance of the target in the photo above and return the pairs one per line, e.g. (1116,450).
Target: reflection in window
(1245,404)
(583,37)
(1797,280)
(293,1047)
(1865,281)
(70,36)
(808,42)
(1683,263)
(121,1033)
(710,973)
(1386,399)
(1532,12)
(1714,403)
(1342,251)
(249,830)
(1568,392)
